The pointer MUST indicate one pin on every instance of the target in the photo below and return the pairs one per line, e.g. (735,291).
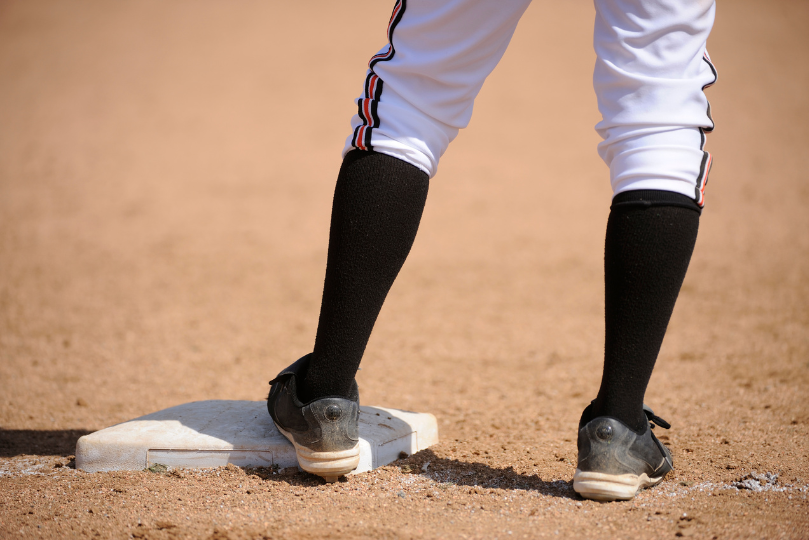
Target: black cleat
(325,431)
(615,462)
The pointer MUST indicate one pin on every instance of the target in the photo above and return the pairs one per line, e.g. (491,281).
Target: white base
(214,433)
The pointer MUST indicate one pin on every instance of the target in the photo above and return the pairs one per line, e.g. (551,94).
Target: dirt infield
(166,174)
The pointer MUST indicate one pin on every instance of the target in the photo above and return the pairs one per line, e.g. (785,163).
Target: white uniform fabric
(651,69)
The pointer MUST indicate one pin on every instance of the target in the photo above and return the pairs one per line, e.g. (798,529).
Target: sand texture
(166,176)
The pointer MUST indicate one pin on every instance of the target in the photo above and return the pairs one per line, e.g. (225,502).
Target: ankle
(633,418)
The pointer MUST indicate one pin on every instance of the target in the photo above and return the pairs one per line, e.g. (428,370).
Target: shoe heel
(329,465)
(610,487)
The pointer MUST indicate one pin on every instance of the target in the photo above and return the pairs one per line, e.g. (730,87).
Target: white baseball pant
(651,69)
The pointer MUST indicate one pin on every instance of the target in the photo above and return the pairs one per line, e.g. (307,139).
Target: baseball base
(205,434)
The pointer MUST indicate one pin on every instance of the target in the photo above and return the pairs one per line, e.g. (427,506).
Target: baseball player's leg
(378,202)
(417,94)
(650,74)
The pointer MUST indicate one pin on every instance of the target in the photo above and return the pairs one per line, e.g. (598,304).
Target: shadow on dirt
(481,475)
(58,442)
(446,472)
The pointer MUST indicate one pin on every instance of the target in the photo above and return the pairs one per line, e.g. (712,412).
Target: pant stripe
(368,105)
(396,16)
(707,158)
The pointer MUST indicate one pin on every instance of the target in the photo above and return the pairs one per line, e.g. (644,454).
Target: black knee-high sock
(650,239)
(378,202)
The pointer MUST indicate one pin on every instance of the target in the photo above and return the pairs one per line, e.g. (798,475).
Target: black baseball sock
(378,202)
(650,239)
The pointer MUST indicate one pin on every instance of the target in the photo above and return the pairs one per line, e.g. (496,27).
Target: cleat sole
(611,487)
(329,465)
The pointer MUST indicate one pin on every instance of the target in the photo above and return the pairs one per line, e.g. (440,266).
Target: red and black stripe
(368,104)
(398,11)
(707,158)
(367,111)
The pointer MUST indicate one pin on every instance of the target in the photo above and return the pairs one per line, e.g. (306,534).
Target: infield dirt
(166,174)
